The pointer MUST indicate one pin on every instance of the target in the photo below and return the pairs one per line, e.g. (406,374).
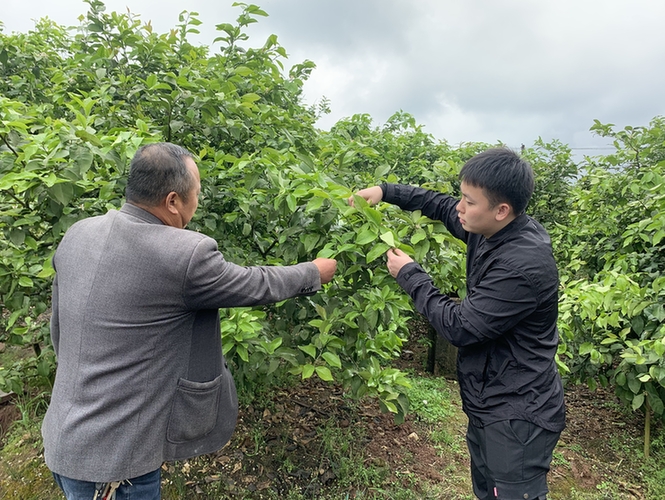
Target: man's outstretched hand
(327,268)
(397,259)
(372,195)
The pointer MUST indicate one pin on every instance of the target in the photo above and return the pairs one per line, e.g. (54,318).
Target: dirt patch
(295,439)
(281,447)
(9,413)
(598,428)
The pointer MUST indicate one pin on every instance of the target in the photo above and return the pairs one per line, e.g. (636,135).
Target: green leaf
(307,371)
(373,215)
(62,192)
(332,359)
(658,374)
(83,160)
(43,368)
(633,383)
(366,235)
(210,223)
(310,242)
(637,324)
(251,97)
(378,250)
(324,373)
(321,311)
(15,179)
(381,170)
(291,202)
(151,81)
(272,346)
(26,282)
(656,403)
(92,139)
(308,349)
(638,401)
(274,364)
(314,203)
(107,190)
(388,406)
(243,71)
(17,237)
(242,352)
(13,317)
(418,236)
(326,253)
(586,348)
(388,238)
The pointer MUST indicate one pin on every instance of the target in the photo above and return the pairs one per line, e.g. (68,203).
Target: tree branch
(16,199)
(4,139)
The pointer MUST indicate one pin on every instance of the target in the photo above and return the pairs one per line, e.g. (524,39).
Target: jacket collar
(507,232)
(139,213)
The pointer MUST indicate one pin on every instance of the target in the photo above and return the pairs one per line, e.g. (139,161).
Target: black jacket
(505,328)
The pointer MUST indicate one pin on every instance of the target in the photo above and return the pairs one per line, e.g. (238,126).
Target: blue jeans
(146,487)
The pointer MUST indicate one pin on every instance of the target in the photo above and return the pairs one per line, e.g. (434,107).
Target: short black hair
(156,170)
(503,175)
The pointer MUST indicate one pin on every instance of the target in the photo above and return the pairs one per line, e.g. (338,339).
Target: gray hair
(155,171)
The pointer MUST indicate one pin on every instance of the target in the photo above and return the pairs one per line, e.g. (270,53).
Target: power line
(603,149)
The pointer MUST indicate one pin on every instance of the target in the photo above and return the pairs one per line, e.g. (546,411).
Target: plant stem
(647,428)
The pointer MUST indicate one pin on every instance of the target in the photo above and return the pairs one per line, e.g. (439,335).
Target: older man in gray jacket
(141,378)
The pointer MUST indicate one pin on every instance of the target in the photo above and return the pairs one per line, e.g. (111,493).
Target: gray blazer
(141,378)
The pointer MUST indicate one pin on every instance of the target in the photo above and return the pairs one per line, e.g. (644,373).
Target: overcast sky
(468,70)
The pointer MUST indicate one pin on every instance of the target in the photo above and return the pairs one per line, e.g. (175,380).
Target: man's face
(475,213)
(187,209)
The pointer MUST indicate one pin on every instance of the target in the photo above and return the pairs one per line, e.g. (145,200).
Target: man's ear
(171,202)
(504,210)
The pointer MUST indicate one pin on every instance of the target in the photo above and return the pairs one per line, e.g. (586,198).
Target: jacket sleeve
(435,205)
(491,309)
(211,282)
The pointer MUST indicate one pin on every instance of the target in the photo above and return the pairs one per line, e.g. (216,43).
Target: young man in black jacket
(505,328)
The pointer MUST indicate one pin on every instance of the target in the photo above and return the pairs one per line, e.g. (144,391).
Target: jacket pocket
(194,410)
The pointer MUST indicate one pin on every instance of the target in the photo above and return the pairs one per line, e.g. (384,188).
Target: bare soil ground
(283,444)
(290,456)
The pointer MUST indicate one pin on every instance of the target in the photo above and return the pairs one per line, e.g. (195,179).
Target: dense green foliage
(76,105)
(612,307)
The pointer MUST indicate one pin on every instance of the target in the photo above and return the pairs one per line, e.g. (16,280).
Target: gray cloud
(478,70)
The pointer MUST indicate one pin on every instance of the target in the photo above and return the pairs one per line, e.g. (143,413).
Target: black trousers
(510,460)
